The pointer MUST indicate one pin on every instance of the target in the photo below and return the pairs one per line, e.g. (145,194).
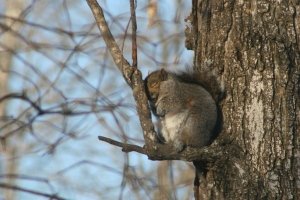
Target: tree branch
(39,109)
(125,147)
(110,42)
(132,75)
(134,27)
(13,187)
(209,154)
(24,98)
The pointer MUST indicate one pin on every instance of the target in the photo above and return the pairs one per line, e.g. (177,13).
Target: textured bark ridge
(255,47)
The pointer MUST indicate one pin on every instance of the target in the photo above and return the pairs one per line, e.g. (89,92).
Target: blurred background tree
(59,90)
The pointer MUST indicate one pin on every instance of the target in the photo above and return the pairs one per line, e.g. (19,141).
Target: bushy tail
(208,79)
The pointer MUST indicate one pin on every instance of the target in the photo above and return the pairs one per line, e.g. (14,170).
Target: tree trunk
(255,47)
(8,149)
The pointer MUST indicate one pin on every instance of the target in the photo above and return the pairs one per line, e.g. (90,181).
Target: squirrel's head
(152,84)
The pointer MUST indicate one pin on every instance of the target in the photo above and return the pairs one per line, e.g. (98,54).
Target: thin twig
(13,187)
(41,111)
(134,28)
(22,97)
(125,147)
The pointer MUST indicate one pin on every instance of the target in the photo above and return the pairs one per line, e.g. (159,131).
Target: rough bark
(255,47)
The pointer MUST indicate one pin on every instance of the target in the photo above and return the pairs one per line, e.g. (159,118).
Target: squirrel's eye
(155,84)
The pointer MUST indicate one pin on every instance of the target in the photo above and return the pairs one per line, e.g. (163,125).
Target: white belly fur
(172,126)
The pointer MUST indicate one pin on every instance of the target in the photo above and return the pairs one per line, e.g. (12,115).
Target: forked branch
(132,75)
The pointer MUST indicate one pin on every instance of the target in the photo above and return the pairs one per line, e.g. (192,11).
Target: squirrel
(186,105)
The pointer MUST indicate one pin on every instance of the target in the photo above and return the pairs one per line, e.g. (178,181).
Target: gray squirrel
(186,105)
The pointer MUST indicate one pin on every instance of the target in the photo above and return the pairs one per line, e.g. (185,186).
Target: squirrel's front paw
(160,111)
(179,146)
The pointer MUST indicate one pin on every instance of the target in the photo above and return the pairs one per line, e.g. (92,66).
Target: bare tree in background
(60,89)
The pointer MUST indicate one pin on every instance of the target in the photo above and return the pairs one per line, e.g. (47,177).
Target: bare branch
(110,42)
(134,27)
(13,187)
(22,97)
(125,147)
(41,111)
(210,154)
(132,75)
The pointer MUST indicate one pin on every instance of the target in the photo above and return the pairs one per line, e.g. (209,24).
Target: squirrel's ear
(163,74)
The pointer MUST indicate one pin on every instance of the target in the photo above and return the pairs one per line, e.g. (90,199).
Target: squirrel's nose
(154,97)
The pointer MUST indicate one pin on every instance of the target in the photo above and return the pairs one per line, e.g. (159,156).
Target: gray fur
(192,110)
